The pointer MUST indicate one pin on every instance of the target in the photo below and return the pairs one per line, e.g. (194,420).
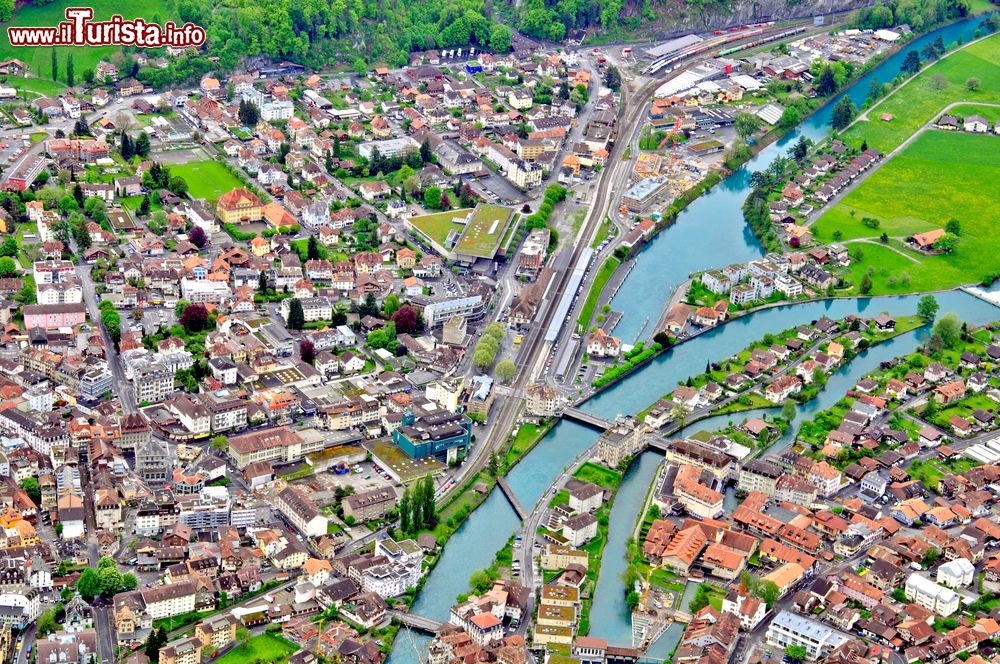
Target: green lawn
(600,280)
(940,176)
(266,647)
(599,475)
(436,226)
(39,59)
(206,179)
(921,100)
(478,240)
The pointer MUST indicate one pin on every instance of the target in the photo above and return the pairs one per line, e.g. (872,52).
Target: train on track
(711,45)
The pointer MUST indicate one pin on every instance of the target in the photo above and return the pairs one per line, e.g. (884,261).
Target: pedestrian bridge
(577,415)
(417,622)
(511,498)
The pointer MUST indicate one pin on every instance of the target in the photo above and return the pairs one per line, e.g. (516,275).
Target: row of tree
(416,507)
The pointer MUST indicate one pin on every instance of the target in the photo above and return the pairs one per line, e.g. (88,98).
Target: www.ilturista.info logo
(79,30)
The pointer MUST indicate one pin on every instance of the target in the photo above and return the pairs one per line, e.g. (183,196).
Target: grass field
(478,240)
(594,296)
(266,647)
(40,59)
(928,94)
(939,177)
(206,179)
(599,475)
(436,226)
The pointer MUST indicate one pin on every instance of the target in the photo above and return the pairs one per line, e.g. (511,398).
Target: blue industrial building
(441,435)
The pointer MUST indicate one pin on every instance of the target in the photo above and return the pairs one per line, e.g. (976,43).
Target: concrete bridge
(511,498)
(418,622)
(577,415)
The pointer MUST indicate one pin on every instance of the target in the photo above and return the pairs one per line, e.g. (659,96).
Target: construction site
(672,158)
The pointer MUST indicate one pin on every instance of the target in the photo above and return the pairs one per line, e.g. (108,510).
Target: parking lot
(497,189)
(368,478)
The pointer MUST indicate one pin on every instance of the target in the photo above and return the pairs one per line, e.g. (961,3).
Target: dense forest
(361,33)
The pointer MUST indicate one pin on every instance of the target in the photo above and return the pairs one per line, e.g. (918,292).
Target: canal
(711,233)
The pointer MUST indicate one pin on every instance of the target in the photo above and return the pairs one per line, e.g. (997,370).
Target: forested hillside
(361,33)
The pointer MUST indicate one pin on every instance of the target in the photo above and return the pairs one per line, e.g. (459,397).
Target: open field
(941,84)
(206,179)
(484,230)
(437,226)
(266,647)
(40,59)
(939,177)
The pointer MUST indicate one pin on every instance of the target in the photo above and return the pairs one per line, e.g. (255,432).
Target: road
(122,387)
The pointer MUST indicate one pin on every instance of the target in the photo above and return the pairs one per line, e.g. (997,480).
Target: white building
(921,590)
(791,629)
(956,573)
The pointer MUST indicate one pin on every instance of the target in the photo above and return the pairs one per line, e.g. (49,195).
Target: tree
(30,486)
(89,584)
(110,580)
(746,125)
(613,78)
(307,351)
(972,84)
(406,319)
(844,113)
(8,267)
(949,330)
(248,114)
(178,185)
(797,653)
(144,206)
(296,316)
(911,63)
(700,599)
(427,504)
(505,370)
(9,246)
(220,443)
(404,512)
(866,284)
(500,39)
(194,318)
(391,305)
(125,147)
(198,237)
(928,307)
(788,410)
(312,248)
(954,226)
(947,243)
(142,144)
(70,73)
(432,198)
(769,592)
(129,582)
(55,66)
(157,639)
(827,83)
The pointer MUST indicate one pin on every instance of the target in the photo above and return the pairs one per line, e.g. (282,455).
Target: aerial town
(510,336)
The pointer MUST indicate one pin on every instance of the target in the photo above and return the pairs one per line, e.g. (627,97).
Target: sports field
(206,179)
(437,226)
(484,230)
(939,177)
(922,99)
(40,59)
